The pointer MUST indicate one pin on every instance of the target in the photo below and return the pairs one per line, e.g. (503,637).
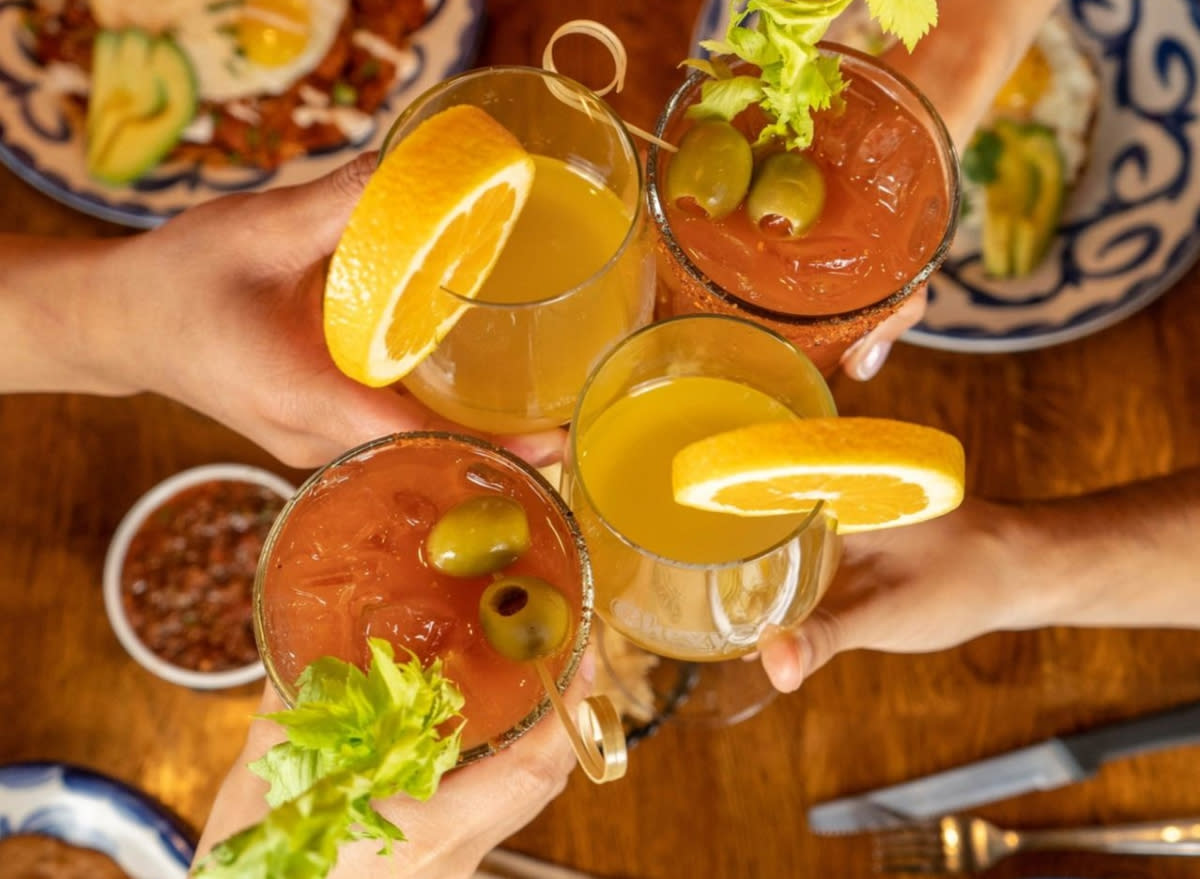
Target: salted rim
(114,563)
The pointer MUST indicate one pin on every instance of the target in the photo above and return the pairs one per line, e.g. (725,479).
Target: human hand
(915,589)
(222,312)
(474,809)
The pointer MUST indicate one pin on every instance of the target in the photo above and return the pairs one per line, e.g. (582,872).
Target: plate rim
(124,209)
(178,839)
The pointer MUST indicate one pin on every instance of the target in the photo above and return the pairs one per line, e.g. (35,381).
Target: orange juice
(625,459)
(566,285)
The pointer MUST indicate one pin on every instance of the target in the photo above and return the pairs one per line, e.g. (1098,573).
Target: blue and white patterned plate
(40,144)
(88,809)
(1132,223)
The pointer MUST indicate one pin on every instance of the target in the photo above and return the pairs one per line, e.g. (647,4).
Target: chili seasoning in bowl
(179,574)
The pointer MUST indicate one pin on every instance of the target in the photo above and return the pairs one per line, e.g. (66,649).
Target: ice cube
(490,478)
(426,627)
(415,510)
(888,161)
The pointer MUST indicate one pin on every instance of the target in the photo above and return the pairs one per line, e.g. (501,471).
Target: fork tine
(912,848)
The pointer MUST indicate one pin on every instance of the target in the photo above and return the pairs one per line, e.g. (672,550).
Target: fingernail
(866,366)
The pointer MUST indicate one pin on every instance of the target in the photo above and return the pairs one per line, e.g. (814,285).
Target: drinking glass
(891,207)
(577,273)
(345,560)
(679,582)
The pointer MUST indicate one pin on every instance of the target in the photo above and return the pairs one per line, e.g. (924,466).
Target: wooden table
(1121,404)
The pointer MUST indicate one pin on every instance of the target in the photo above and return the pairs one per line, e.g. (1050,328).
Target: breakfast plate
(1131,225)
(41,144)
(88,809)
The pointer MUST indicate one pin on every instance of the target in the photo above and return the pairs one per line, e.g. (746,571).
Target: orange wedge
(434,217)
(873,472)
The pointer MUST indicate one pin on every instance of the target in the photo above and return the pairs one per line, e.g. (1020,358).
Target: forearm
(1125,557)
(60,314)
(963,61)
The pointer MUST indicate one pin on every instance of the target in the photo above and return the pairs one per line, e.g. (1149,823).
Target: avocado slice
(1024,199)
(143,96)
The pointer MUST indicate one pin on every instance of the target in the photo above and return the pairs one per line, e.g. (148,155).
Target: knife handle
(1164,729)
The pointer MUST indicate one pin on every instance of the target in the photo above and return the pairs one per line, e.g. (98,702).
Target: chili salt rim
(114,563)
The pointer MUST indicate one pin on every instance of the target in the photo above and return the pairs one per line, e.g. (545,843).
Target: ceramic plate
(1131,224)
(88,809)
(38,143)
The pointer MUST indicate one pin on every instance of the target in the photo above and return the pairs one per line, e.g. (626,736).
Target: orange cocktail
(350,558)
(889,212)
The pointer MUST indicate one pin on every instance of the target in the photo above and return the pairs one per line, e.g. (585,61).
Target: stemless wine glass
(680,582)
(577,273)
(890,210)
(346,561)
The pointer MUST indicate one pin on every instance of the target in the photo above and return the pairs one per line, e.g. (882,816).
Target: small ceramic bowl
(118,549)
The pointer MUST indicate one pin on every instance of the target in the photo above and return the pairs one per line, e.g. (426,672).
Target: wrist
(60,315)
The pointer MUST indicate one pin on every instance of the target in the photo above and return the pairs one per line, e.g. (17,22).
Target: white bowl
(114,562)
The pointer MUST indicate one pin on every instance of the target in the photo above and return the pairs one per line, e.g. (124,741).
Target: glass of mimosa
(890,207)
(349,558)
(577,273)
(681,582)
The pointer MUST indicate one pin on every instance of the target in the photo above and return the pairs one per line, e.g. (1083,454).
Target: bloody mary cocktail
(890,208)
(349,558)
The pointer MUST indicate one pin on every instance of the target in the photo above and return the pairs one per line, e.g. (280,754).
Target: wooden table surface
(1121,404)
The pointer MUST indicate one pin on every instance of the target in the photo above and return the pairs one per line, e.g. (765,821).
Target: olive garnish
(524,618)
(479,536)
(787,195)
(711,170)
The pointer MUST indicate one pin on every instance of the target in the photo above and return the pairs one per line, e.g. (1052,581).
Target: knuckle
(539,777)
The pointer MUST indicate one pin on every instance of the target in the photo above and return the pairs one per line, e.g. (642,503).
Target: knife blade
(1046,765)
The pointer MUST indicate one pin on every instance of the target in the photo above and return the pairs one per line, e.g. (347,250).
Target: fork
(962,844)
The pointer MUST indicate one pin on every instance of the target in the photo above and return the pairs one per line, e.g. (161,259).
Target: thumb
(789,656)
(322,207)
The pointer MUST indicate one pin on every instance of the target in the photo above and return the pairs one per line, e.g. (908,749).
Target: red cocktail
(890,206)
(350,558)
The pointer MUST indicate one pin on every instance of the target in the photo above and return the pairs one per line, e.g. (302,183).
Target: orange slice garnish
(872,472)
(433,218)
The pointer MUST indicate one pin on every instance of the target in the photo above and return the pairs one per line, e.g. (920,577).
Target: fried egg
(238,48)
(1054,84)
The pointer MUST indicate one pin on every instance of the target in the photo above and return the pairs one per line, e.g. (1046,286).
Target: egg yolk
(1026,85)
(273,32)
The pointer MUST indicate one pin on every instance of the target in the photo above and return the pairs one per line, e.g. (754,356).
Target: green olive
(787,195)
(524,618)
(478,536)
(712,169)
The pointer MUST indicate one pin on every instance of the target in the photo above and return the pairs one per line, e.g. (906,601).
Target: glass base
(724,693)
(650,690)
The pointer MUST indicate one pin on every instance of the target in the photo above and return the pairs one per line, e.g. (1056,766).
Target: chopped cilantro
(979,159)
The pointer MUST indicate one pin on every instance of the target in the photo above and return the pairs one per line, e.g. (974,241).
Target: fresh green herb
(344,94)
(779,37)
(980,158)
(352,738)
(369,69)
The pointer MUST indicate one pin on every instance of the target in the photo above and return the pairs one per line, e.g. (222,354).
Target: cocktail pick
(600,745)
(588,27)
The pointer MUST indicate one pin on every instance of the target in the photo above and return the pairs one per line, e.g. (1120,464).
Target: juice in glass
(346,560)
(576,275)
(677,581)
(891,205)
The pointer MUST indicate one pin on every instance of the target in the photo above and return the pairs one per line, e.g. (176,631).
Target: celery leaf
(352,738)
